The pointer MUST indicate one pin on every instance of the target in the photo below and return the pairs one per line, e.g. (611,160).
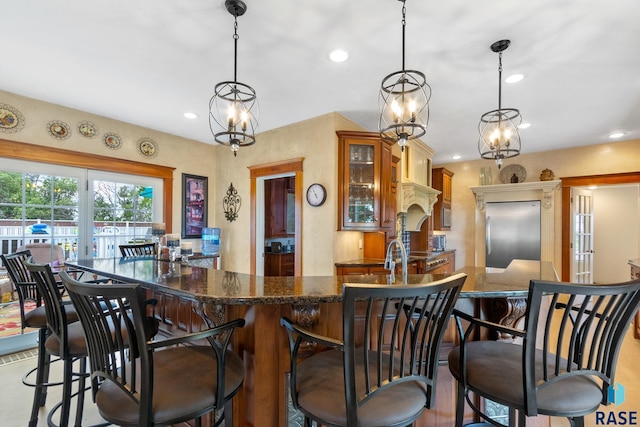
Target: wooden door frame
(582,181)
(268,169)
(59,156)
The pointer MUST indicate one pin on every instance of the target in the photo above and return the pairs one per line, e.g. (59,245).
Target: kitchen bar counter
(188,292)
(230,288)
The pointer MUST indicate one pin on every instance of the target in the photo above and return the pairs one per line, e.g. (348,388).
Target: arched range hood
(417,204)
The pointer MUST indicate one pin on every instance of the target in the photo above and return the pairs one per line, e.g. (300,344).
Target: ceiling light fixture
(616,135)
(338,55)
(189,115)
(233,109)
(499,136)
(514,78)
(404,101)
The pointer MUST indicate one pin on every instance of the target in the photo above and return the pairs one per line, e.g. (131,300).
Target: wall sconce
(231,203)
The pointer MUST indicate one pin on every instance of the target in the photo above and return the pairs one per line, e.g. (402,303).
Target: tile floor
(16,398)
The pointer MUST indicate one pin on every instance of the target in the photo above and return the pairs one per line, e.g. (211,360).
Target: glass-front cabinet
(364,182)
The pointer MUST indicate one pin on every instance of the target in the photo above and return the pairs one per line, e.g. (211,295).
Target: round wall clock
(316,194)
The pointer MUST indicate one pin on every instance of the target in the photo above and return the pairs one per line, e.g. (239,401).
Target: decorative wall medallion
(112,141)
(58,129)
(11,120)
(87,129)
(147,147)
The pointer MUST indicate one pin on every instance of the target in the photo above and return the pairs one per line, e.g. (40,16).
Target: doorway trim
(267,169)
(581,181)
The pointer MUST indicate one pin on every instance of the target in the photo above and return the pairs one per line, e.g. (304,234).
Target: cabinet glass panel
(361,184)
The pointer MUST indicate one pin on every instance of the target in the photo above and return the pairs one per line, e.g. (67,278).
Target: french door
(88,213)
(582,235)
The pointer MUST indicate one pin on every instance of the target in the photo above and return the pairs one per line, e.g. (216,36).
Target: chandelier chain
(235,48)
(500,81)
(404,25)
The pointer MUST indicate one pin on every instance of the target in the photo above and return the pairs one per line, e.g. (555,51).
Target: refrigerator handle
(488,236)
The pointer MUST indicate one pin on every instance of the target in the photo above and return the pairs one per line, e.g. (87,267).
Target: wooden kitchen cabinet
(355,269)
(446,263)
(360,269)
(276,264)
(366,196)
(176,315)
(441,179)
(277,206)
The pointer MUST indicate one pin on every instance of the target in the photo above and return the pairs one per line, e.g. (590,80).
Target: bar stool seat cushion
(176,390)
(37,318)
(496,367)
(323,395)
(75,340)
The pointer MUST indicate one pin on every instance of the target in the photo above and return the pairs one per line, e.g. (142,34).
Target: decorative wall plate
(147,147)
(11,120)
(508,171)
(58,129)
(112,141)
(87,129)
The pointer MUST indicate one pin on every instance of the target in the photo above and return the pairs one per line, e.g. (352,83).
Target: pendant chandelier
(404,101)
(233,109)
(499,135)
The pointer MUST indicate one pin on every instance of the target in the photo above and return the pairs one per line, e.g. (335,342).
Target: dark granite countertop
(226,287)
(379,262)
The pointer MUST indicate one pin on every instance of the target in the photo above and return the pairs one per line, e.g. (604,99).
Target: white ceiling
(147,62)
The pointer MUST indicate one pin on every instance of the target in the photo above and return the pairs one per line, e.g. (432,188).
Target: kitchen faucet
(390,263)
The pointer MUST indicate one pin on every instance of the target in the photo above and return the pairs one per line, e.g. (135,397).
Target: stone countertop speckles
(229,288)
(379,262)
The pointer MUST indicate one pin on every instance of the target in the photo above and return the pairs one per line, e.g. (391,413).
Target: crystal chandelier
(404,101)
(233,109)
(499,136)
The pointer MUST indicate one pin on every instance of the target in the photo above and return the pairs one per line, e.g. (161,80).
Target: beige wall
(186,155)
(616,231)
(588,160)
(315,140)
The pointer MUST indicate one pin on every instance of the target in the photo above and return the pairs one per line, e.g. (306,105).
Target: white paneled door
(582,235)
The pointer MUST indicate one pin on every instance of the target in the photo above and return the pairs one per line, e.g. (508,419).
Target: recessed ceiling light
(339,55)
(524,125)
(456,157)
(191,115)
(514,78)
(615,135)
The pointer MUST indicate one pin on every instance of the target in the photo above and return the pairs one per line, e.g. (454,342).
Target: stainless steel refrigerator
(513,232)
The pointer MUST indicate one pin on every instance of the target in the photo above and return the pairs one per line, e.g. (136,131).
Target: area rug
(10,318)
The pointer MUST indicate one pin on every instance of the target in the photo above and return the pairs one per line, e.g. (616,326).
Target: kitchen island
(187,292)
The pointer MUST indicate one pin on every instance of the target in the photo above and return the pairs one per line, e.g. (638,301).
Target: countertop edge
(378,262)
